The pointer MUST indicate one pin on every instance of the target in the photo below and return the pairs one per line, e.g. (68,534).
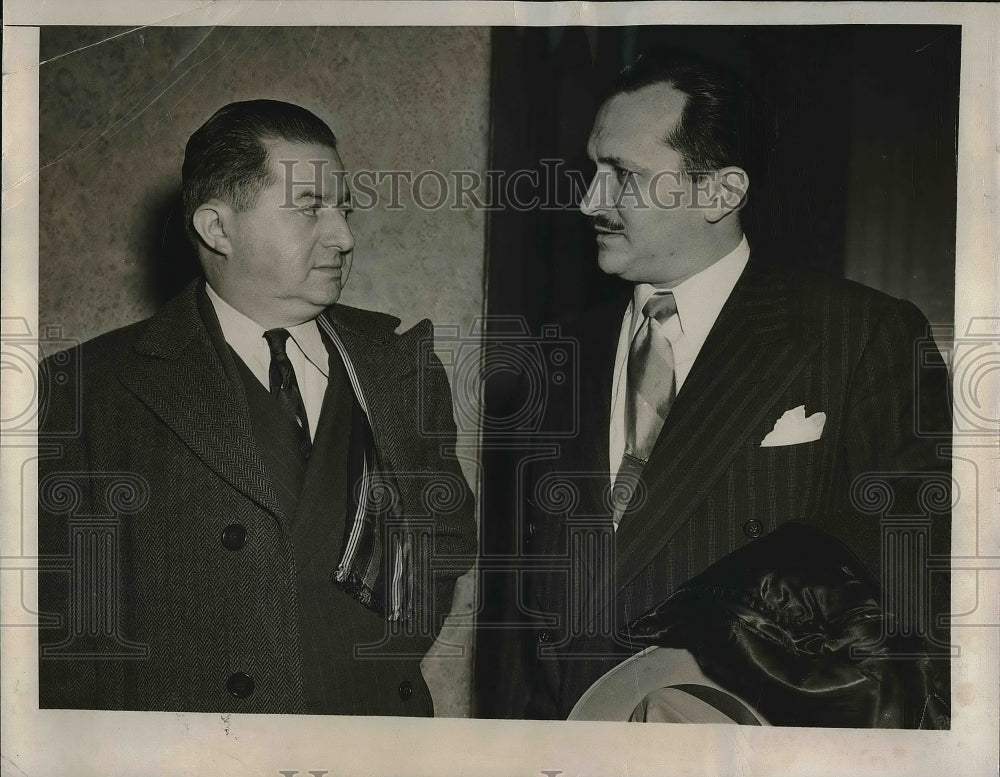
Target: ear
(729,189)
(213,221)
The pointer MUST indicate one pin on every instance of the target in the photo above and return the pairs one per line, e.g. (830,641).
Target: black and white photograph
(546,370)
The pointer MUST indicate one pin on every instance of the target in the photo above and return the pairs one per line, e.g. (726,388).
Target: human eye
(622,174)
(310,210)
(346,206)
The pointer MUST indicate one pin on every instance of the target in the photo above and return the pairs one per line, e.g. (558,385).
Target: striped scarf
(380,578)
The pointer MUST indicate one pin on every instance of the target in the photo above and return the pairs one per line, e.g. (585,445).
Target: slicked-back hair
(226,158)
(713,129)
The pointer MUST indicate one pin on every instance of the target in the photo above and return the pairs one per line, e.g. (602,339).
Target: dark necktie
(285,388)
(651,389)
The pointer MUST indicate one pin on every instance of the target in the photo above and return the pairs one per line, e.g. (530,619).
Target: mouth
(606,228)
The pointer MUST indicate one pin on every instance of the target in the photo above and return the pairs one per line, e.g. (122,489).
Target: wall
(900,235)
(117,106)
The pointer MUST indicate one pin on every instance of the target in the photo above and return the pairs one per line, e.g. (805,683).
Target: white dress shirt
(699,301)
(305,351)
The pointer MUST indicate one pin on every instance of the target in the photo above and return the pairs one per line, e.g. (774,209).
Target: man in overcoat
(247,503)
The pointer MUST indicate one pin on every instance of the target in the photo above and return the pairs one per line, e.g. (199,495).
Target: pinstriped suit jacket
(147,456)
(784,338)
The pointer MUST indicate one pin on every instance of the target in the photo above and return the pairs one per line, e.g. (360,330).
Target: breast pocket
(781,483)
(781,457)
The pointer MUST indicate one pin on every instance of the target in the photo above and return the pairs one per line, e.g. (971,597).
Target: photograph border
(43,742)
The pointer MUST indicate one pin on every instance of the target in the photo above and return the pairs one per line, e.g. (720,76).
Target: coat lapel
(177,371)
(751,355)
(385,367)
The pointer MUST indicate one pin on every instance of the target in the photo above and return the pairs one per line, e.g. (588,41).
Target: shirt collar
(246,336)
(699,298)
(241,332)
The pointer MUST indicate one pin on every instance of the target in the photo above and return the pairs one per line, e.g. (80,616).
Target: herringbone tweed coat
(147,600)
(878,478)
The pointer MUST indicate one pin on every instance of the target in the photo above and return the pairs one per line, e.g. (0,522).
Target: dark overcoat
(149,600)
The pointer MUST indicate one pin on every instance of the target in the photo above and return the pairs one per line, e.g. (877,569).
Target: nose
(594,200)
(336,233)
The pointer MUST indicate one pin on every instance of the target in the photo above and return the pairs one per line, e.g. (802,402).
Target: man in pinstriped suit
(245,497)
(788,396)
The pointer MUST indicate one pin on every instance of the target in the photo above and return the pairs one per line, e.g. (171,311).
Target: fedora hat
(795,623)
(662,685)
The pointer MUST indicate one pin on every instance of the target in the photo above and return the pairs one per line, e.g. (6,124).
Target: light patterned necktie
(651,389)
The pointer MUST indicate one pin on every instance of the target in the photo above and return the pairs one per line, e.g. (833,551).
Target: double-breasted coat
(168,573)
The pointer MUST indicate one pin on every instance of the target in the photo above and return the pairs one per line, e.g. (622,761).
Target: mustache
(600,221)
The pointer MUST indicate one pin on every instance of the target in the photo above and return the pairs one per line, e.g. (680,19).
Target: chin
(613,263)
(329,295)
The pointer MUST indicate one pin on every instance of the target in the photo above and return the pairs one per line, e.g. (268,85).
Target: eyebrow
(618,161)
(310,194)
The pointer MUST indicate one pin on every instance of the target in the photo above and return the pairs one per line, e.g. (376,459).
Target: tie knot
(660,306)
(276,339)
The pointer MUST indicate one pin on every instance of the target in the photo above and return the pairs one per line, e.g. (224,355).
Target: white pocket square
(794,428)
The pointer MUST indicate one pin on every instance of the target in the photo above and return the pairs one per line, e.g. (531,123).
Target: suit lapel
(178,372)
(751,355)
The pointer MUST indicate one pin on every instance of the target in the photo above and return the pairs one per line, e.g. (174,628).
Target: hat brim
(616,695)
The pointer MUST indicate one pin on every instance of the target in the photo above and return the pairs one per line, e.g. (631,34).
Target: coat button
(234,536)
(240,685)
(405,690)
(544,637)
(753,529)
